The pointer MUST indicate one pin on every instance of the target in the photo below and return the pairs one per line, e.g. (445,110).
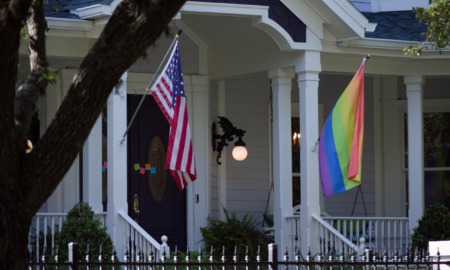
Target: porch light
(296,138)
(239,151)
(220,141)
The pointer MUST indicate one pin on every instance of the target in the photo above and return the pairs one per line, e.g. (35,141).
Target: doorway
(154,200)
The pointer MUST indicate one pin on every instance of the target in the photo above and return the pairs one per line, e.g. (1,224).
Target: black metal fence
(198,261)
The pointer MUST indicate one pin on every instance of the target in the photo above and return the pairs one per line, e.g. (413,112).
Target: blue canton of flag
(175,73)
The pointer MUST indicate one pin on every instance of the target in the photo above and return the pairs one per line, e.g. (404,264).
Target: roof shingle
(396,25)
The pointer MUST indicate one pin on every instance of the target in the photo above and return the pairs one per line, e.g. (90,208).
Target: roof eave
(350,16)
(94,12)
(385,44)
(69,24)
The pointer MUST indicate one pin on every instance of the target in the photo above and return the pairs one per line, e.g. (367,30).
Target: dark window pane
(437,188)
(436,139)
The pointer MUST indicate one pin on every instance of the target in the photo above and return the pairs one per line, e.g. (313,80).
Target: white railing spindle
(45,225)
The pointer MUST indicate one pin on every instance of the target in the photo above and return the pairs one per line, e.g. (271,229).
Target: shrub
(233,233)
(82,227)
(433,225)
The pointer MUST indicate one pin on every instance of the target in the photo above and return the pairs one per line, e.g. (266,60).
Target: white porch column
(281,81)
(117,163)
(414,94)
(307,70)
(92,168)
(198,192)
(389,177)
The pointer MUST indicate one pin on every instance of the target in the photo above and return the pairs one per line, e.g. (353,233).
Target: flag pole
(150,85)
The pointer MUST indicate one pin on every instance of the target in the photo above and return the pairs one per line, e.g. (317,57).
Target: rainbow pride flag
(341,139)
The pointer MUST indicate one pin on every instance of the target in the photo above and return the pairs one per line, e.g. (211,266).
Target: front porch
(301,80)
(351,235)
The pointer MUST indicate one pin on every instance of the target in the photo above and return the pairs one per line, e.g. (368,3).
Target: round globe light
(239,153)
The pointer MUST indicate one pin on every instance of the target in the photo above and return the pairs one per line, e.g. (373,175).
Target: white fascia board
(69,24)
(351,16)
(371,27)
(387,44)
(94,11)
(223,9)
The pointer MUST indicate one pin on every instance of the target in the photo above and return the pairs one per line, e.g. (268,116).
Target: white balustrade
(44,228)
(389,233)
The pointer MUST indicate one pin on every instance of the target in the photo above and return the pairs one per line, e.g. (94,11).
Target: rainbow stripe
(341,139)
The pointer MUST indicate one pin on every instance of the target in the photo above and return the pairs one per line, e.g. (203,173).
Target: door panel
(154,200)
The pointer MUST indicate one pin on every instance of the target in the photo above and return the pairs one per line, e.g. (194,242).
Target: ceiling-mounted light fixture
(220,141)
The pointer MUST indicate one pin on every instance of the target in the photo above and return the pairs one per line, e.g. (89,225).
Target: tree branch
(18,10)
(133,27)
(12,14)
(36,82)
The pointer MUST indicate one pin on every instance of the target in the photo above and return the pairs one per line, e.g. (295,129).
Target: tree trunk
(14,225)
(15,239)
(27,180)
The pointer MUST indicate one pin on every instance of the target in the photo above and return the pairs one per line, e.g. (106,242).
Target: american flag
(168,92)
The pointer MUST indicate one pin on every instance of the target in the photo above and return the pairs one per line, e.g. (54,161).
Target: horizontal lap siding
(361,5)
(247,100)
(214,188)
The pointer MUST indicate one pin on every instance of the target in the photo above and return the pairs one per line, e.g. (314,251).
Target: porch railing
(387,232)
(43,231)
(327,235)
(293,230)
(45,227)
(138,240)
(331,239)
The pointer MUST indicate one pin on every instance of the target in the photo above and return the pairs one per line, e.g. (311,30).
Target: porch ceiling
(220,32)
(235,45)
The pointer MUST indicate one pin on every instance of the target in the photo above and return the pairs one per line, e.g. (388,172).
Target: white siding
(361,5)
(247,99)
(387,5)
(214,198)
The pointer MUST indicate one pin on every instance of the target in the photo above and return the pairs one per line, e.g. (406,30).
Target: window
(436,157)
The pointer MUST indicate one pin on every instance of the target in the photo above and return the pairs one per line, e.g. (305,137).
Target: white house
(263,65)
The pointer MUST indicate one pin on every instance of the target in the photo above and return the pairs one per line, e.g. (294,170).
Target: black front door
(154,200)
